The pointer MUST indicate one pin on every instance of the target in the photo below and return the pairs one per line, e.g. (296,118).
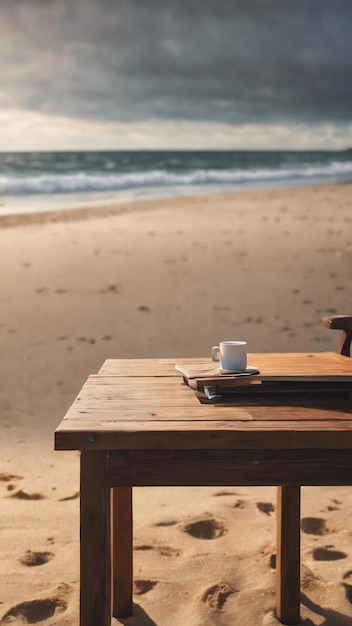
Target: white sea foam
(53,183)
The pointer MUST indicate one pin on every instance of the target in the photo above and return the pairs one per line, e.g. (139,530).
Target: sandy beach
(165,278)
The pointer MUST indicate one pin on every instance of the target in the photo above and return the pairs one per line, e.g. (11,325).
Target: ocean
(41,181)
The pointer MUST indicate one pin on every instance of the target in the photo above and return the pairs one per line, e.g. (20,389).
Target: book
(216,383)
(199,371)
(197,376)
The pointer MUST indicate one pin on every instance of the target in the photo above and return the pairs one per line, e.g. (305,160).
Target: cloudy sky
(117,74)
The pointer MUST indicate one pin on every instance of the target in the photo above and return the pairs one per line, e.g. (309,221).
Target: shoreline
(118,206)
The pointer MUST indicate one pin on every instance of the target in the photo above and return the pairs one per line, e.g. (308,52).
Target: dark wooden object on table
(136,424)
(344,323)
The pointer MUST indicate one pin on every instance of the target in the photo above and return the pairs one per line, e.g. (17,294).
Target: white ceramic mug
(231,354)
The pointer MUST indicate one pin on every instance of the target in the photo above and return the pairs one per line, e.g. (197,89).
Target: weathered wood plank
(108,415)
(109,412)
(143,367)
(234,467)
(96,381)
(293,363)
(169,389)
(95,560)
(311,410)
(298,364)
(179,402)
(333,435)
(172,427)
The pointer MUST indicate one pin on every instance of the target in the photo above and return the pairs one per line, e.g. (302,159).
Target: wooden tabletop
(145,405)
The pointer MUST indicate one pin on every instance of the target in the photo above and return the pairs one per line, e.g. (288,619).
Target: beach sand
(168,278)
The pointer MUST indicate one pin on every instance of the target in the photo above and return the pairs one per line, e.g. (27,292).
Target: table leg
(122,541)
(95,607)
(288,554)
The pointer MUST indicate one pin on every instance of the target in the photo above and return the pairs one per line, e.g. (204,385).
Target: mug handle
(215,352)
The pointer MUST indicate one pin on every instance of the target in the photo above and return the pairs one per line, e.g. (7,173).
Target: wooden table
(137,423)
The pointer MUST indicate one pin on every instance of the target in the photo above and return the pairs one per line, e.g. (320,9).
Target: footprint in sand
(111,289)
(9,477)
(34,611)
(327,554)
(163,550)
(23,495)
(168,551)
(240,504)
(32,559)
(166,523)
(348,586)
(143,586)
(348,591)
(266,507)
(331,507)
(206,529)
(308,579)
(315,526)
(216,596)
(6,478)
(73,497)
(92,341)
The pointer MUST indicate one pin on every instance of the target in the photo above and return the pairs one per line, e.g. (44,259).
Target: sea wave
(53,183)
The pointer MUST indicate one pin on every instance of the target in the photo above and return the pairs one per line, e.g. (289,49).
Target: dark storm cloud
(206,60)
